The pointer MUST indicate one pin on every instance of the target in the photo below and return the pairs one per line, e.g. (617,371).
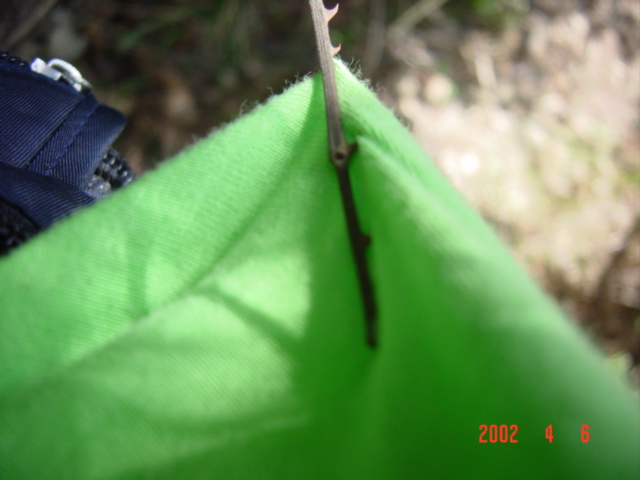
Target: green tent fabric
(205,323)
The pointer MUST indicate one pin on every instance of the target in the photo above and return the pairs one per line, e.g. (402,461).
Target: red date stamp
(502,433)
(507,433)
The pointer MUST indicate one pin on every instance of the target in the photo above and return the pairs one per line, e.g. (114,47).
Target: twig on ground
(30,23)
(412,17)
(375,38)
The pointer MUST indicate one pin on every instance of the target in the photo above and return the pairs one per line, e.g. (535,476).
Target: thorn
(329,13)
(335,50)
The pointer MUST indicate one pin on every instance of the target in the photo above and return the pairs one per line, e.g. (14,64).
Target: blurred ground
(530,107)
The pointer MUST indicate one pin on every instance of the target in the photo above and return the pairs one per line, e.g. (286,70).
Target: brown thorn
(329,13)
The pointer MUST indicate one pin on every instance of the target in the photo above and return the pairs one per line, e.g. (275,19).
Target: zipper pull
(57,69)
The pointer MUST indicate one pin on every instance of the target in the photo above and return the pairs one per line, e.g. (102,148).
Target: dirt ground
(542,138)
(531,108)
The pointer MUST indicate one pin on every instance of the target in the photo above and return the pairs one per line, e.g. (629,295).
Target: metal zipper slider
(57,69)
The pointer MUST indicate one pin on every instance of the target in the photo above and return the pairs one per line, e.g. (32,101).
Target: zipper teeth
(15,228)
(114,170)
(7,57)
(12,236)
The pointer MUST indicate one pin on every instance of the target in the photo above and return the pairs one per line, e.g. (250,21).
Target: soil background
(530,107)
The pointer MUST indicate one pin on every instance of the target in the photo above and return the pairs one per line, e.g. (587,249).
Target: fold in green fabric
(206,323)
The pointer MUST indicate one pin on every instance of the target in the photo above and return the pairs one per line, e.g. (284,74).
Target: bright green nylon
(205,323)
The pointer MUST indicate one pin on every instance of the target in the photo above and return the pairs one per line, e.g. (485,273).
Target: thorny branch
(339,154)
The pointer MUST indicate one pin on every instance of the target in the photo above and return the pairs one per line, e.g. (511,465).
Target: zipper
(7,57)
(15,228)
(111,174)
(58,70)
(55,69)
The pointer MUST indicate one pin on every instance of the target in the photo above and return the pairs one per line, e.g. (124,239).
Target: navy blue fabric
(78,145)
(30,109)
(52,140)
(43,199)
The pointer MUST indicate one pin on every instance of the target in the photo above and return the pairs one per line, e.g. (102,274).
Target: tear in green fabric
(206,323)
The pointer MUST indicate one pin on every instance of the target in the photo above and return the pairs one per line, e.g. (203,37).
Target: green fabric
(205,323)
